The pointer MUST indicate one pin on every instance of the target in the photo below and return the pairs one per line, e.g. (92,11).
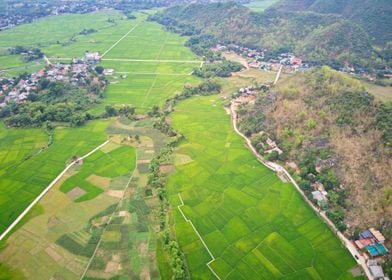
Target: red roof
(362,243)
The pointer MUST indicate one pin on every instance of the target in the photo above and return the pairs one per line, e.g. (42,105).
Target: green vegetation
(317,37)
(56,102)
(260,5)
(20,184)
(228,196)
(222,69)
(325,121)
(113,164)
(373,16)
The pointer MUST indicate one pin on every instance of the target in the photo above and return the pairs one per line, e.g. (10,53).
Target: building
(378,235)
(372,242)
(92,56)
(376,270)
(321,199)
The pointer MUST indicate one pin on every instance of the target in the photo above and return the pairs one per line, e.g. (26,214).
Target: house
(108,72)
(295,61)
(320,198)
(378,235)
(376,270)
(318,186)
(92,56)
(271,143)
(362,243)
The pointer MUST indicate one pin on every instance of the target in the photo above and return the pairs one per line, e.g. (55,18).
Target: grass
(21,184)
(256,226)
(145,90)
(382,93)
(260,5)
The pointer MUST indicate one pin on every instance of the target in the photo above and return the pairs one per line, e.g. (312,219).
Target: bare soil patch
(75,193)
(53,254)
(168,168)
(99,181)
(117,194)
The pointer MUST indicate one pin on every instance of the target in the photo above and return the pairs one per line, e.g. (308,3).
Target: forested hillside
(317,37)
(338,135)
(375,16)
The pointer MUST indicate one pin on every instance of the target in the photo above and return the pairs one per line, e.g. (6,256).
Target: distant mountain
(375,16)
(325,38)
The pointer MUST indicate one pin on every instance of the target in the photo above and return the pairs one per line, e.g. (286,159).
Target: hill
(338,135)
(317,37)
(375,16)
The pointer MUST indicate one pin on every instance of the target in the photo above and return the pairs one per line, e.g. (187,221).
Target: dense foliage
(221,69)
(58,102)
(375,16)
(320,38)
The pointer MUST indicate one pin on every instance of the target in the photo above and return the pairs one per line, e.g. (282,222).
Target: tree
(99,69)
(110,111)
(273,156)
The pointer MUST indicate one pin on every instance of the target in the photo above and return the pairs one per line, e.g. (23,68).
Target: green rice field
(19,185)
(256,226)
(60,235)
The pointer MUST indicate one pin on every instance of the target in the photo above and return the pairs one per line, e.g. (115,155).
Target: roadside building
(320,198)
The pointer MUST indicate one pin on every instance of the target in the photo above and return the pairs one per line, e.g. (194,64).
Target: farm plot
(255,226)
(149,41)
(146,84)
(20,185)
(49,34)
(17,145)
(65,233)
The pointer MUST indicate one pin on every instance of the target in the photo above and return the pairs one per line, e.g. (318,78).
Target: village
(290,63)
(79,73)
(257,59)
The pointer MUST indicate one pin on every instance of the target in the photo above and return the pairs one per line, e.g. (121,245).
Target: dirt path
(42,194)
(278,75)
(278,168)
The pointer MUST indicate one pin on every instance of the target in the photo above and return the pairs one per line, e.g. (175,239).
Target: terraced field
(255,226)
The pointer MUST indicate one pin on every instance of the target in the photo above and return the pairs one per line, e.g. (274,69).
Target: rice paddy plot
(49,34)
(20,185)
(144,84)
(65,234)
(96,171)
(256,226)
(149,41)
(17,145)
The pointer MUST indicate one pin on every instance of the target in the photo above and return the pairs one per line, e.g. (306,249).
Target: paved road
(278,168)
(42,194)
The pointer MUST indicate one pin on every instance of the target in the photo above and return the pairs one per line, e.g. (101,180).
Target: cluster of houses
(78,73)
(257,59)
(247,95)
(20,12)
(371,242)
